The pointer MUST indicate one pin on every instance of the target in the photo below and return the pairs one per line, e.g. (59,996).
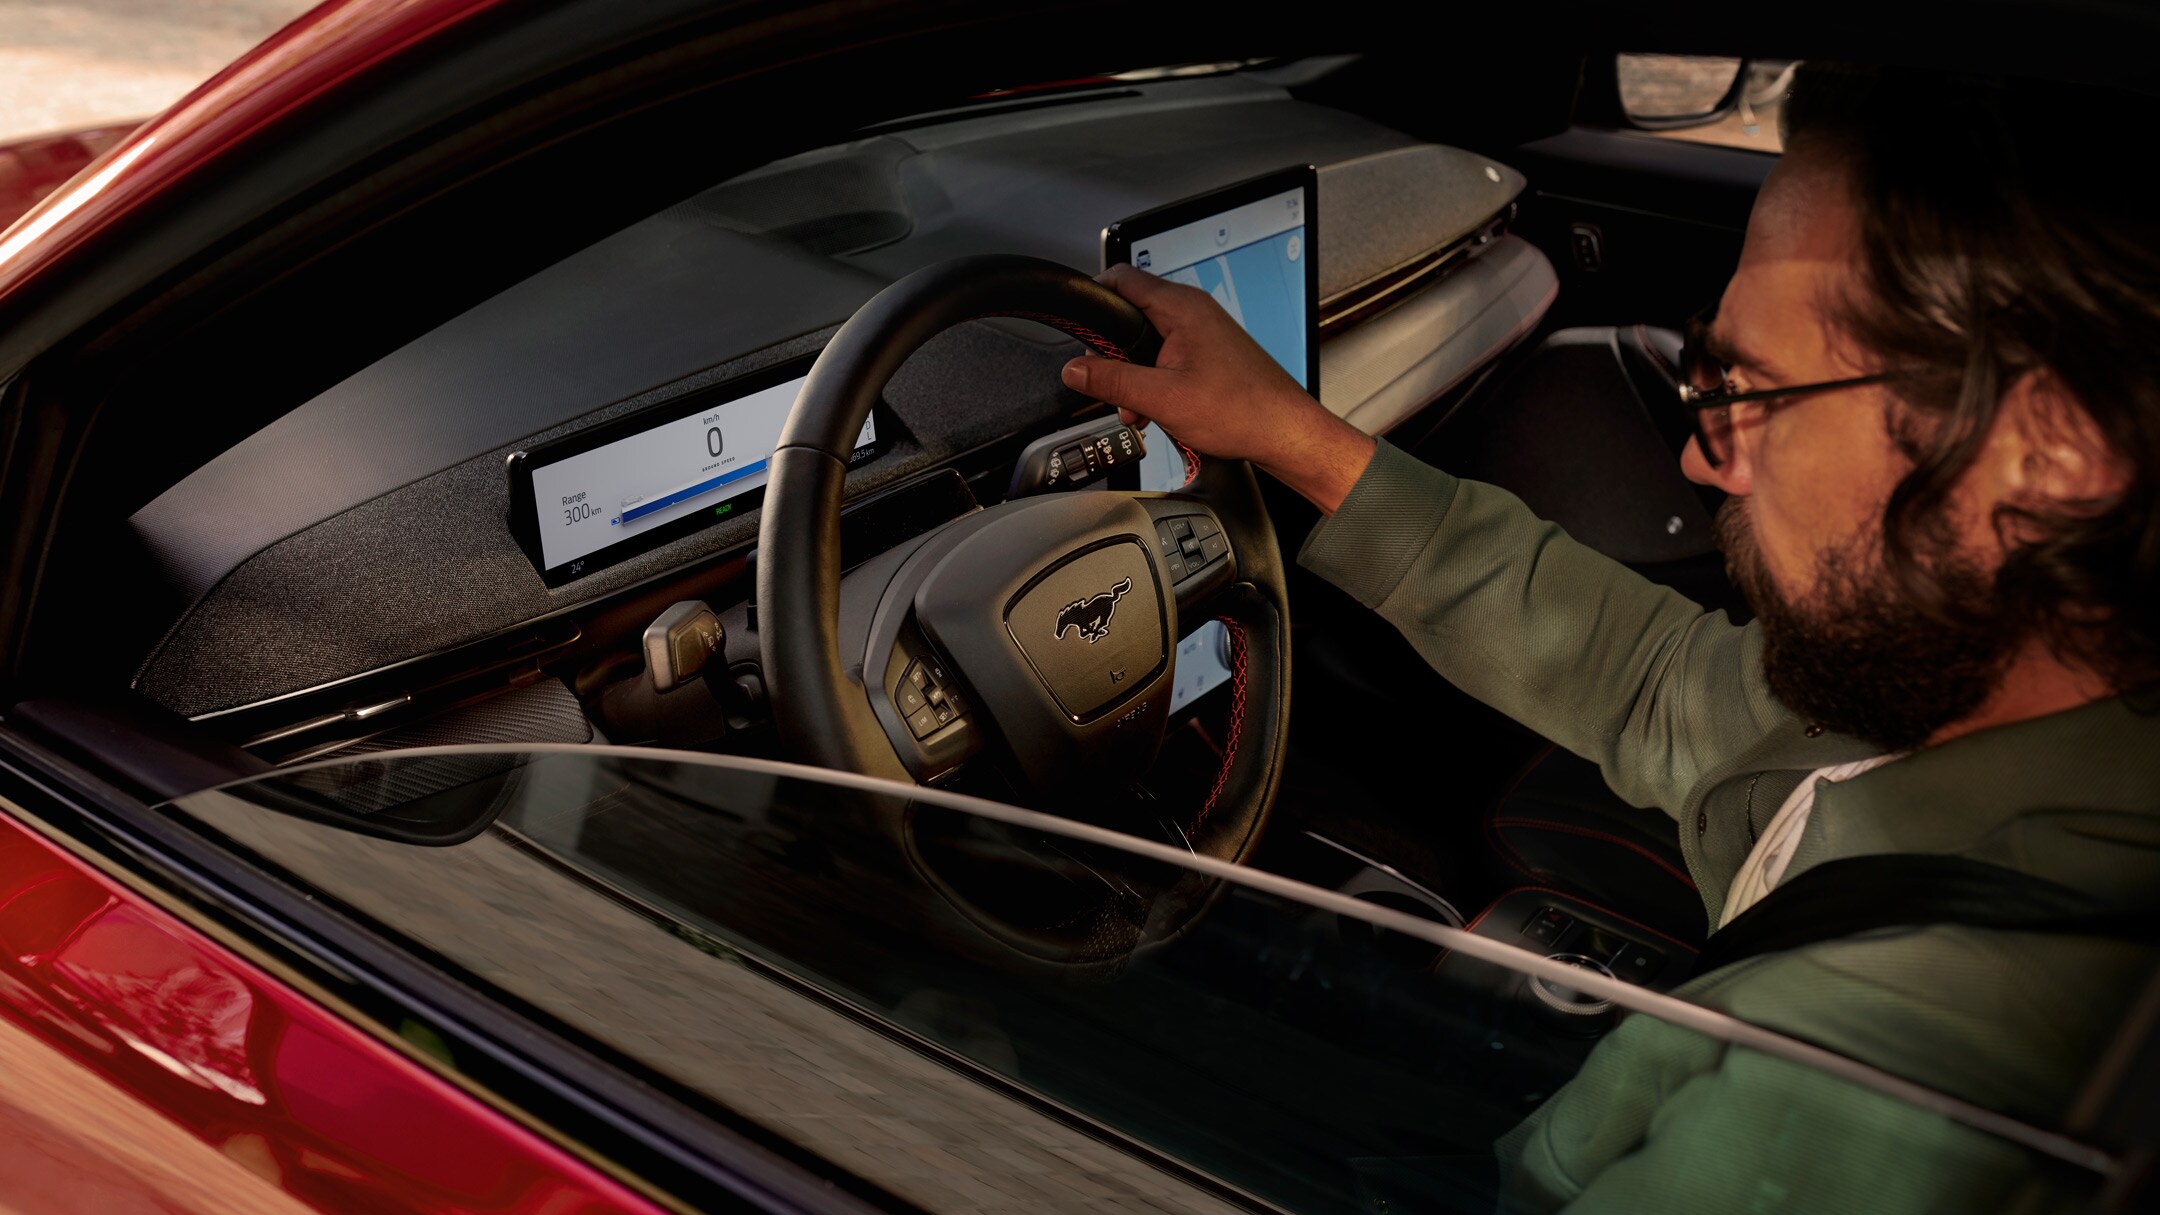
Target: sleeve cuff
(1389,517)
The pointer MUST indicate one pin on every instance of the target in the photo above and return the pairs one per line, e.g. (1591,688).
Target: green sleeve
(1662,1119)
(1633,676)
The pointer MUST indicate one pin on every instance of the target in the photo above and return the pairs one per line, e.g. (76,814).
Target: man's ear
(2052,456)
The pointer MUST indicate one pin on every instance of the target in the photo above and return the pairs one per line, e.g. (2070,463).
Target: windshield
(979,1007)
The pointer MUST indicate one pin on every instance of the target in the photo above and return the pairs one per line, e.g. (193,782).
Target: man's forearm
(1572,644)
(1323,460)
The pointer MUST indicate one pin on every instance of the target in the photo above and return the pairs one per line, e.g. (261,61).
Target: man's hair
(2004,231)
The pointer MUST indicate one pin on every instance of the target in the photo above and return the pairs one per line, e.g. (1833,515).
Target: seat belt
(1858,894)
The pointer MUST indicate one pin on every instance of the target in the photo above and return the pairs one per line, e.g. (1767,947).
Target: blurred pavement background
(68,64)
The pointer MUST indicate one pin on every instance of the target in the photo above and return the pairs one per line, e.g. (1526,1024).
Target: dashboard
(592,437)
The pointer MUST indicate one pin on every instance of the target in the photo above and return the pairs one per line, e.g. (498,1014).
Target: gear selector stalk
(680,642)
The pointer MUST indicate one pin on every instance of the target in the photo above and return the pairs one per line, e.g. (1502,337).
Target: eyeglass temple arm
(1702,399)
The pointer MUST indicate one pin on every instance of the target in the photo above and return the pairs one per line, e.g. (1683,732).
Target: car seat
(1586,429)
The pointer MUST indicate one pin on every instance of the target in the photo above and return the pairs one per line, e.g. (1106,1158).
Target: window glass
(978,1007)
(1691,97)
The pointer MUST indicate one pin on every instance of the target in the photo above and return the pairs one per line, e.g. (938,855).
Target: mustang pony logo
(1092,615)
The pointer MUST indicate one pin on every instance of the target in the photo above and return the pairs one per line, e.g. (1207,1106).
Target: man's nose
(1731,476)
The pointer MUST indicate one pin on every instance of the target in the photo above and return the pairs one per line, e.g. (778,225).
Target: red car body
(127,1033)
(33,168)
(151,1067)
(299,66)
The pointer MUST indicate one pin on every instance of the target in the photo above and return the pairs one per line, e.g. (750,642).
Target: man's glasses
(1706,389)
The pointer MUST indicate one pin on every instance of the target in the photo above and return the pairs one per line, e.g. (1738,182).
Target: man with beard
(1931,391)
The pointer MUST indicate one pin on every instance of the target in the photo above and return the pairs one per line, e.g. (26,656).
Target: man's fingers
(1127,281)
(1124,384)
(1159,299)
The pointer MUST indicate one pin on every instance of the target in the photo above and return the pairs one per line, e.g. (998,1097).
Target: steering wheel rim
(819,699)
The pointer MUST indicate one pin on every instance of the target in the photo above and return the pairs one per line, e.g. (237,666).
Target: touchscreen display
(1253,255)
(1250,258)
(597,492)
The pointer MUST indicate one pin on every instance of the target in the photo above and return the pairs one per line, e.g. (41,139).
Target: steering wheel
(1045,629)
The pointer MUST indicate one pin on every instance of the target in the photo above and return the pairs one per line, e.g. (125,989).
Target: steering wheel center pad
(1060,618)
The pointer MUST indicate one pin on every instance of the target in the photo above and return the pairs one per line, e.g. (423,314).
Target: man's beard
(1855,655)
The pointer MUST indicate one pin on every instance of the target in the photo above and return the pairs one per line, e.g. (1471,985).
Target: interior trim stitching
(1238,687)
(1513,859)
(1500,846)
(1593,833)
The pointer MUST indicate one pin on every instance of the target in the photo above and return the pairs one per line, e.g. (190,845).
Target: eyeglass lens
(1705,374)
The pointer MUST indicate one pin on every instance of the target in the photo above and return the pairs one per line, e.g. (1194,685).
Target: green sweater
(1671,703)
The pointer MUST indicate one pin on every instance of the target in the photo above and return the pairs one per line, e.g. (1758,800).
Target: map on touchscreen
(1250,258)
(1262,287)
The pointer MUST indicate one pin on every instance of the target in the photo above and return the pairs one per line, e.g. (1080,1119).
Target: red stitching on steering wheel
(1103,346)
(1192,459)
(1108,349)
(1238,686)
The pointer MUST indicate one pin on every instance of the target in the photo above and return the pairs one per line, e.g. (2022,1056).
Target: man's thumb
(1116,383)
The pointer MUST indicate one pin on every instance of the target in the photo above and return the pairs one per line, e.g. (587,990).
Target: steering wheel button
(909,698)
(1179,570)
(1203,527)
(1181,527)
(1212,548)
(916,677)
(935,696)
(1191,548)
(923,721)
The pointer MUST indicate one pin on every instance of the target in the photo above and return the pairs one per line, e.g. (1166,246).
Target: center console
(1558,924)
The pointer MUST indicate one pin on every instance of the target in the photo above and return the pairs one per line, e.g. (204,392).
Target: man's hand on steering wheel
(1037,637)
(1217,391)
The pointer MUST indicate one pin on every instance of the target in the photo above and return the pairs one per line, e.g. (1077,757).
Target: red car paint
(149,1068)
(32,168)
(306,60)
(161,1018)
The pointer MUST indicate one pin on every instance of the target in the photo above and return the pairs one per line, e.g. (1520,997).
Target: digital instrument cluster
(592,498)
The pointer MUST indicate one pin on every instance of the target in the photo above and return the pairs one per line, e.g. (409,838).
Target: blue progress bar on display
(634,513)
